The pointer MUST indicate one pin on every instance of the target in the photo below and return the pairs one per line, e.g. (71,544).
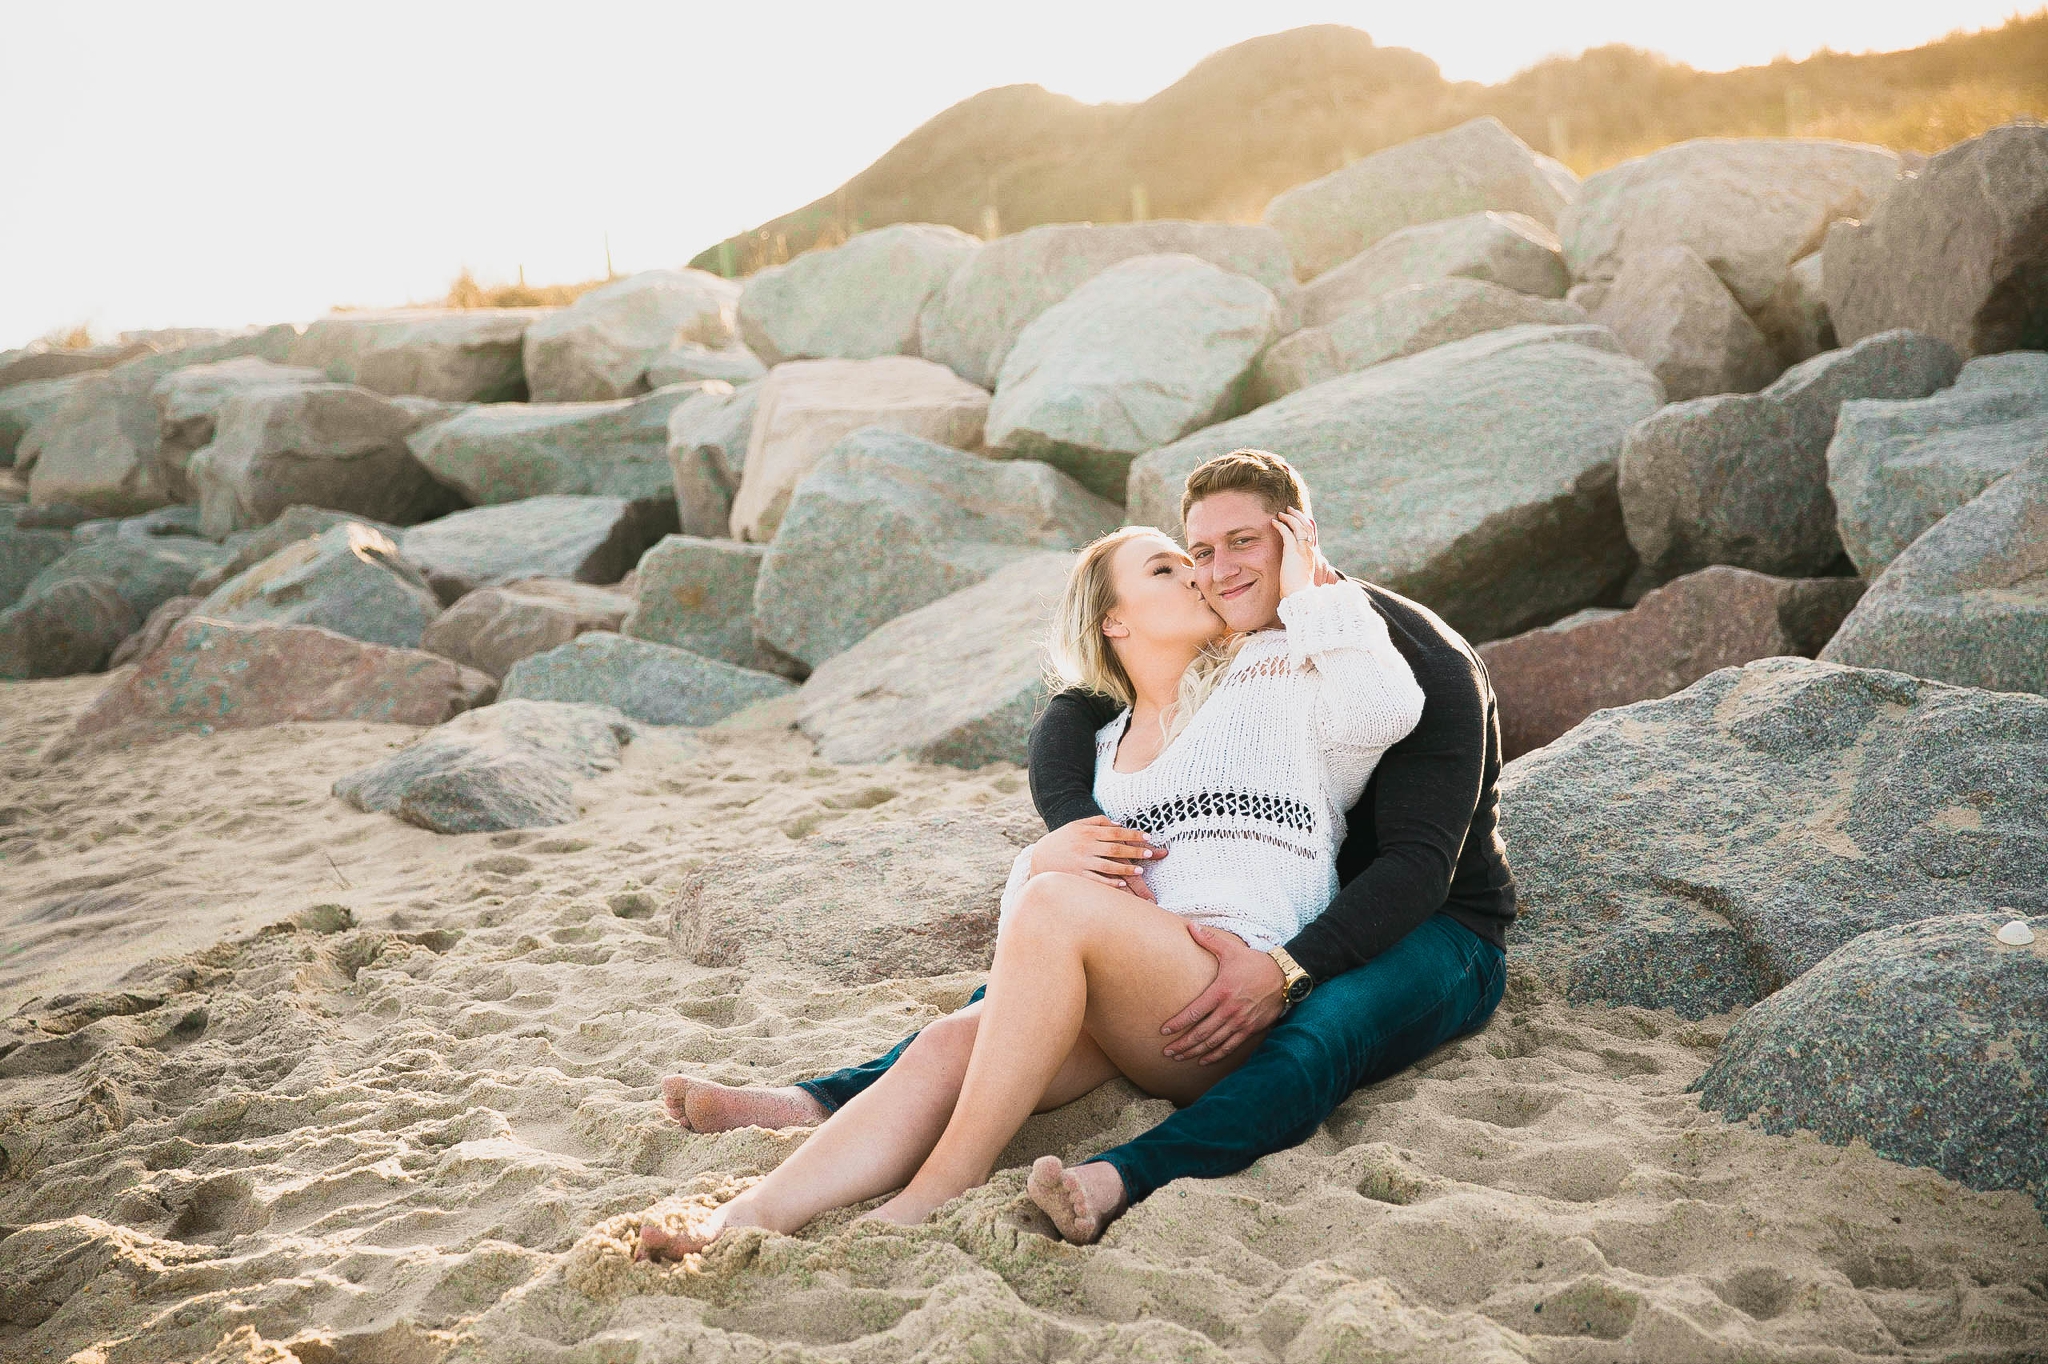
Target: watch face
(1298,991)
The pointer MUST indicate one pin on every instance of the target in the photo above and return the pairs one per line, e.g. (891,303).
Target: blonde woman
(1244,753)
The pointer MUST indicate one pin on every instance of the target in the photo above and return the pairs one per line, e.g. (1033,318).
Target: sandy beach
(287,1081)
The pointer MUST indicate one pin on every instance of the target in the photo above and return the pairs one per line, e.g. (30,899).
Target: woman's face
(1157,600)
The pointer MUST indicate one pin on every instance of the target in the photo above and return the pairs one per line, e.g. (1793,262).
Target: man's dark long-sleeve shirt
(1425,835)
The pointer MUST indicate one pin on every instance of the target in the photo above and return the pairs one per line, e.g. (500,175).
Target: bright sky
(209,163)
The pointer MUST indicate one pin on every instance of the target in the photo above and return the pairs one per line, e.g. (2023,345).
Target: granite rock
(1748,207)
(1927,1041)
(734,365)
(212,675)
(323,445)
(972,321)
(40,362)
(466,355)
(512,765)
(600,346)
(1742,479)
(707,451)
(888,523)
(1146,352)
(1699,852)
(1958,250)
(577,536)
(502,452)
(698,594)
(24,553)
(350,579)
(1511,250)
(1968,601)
(23,405)
(1476,477)
(99,450)
(248,548)
(957,682)
(1895,468)
(78,608)
(189,402)
(854,301)
(654,683)
(1672,313)
(807,406)
(1476,166)
(1403,322)
(494,627)
(154,631)
(1548,680)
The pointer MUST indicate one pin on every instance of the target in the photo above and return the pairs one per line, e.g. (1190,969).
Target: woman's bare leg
(876,1142)
(1075,959)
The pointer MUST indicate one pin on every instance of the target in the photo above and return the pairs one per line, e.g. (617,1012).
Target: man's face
(1237,558)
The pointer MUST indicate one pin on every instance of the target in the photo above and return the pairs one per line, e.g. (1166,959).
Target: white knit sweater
(1251,796)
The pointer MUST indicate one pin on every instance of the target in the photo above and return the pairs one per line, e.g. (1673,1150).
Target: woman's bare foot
(657,1242)
(904,1210)
(702,1106)
(1081,1201)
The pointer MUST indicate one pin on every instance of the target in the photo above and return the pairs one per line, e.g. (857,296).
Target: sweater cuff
(1333,616)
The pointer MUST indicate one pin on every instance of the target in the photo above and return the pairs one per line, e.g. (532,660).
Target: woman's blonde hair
(1081,655)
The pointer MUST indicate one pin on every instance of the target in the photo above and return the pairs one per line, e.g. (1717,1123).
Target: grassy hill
(1260,116)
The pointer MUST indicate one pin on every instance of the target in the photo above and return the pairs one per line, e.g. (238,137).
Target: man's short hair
(1261,473)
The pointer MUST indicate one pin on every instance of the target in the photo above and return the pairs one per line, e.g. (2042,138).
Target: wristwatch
(1294,982)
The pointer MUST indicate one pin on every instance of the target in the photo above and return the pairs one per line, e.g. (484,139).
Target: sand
(283,1080)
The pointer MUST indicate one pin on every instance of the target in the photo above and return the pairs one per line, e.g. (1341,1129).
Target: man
(1409,954)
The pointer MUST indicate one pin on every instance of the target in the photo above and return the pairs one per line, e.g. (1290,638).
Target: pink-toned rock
(1548,680)
(154,631)
(494,627)
(210,675)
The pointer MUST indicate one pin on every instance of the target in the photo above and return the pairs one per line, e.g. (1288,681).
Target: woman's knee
(948,1040)
(1053,901)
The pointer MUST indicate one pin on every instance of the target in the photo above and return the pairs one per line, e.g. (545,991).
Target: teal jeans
(1440,982)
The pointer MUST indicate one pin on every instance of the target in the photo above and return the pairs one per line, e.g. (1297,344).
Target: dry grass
(466,292)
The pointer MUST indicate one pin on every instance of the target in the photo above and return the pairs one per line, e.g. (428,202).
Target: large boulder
(1895,468)
(1699,852)
(39,361)
(248,548)
(1968,601)
(467,355)
(1471,168)
(75,611)
(692,364)
(322,445)
(707,449)
(807,406)
(153,632)
(189,404)
(1959,249)
(1928,1042)
(1512,250)
(1144,353)
(23,405)
(1743,479)
(655,683)
(502,452)
(1672,312)
(970,324)
(513,765)
(852,302)
(958,681)
(99,450)
(1795,318)
(351,579)
(1477,477)
(26,551)
(601,345)
(1548,680)
(1403,322)
(565,535)
(1748,207)
(698,594)
(494,627)
(888,523)
(212,675)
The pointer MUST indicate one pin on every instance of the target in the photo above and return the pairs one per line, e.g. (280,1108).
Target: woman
(1243,755)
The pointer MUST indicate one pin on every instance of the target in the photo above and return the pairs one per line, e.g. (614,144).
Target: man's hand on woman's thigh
(1245,999)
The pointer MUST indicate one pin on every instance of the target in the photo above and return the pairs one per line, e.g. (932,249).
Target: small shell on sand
(2016,934)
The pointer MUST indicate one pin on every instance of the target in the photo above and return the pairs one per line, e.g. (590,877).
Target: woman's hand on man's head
(1100,849)
(1301,555)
